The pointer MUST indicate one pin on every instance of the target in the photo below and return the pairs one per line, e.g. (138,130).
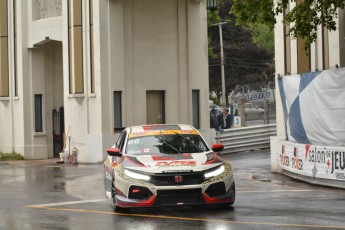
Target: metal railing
(246,139)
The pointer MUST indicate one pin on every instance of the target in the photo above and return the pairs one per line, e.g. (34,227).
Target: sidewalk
(44,162)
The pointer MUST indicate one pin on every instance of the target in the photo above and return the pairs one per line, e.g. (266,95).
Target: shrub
(10,156)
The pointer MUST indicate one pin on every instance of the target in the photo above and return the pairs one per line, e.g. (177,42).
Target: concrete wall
(146,45)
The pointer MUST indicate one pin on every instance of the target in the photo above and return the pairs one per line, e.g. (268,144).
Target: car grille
(216,189)
(179,197)
(169,179)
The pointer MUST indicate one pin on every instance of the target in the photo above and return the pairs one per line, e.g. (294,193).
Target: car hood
(169,163)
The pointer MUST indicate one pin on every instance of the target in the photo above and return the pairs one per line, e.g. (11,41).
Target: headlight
(209,156)
(215,172)
(136,175)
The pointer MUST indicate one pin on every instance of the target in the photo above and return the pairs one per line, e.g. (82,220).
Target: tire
(229,204)
(117,208)
(225,205)
(113,201)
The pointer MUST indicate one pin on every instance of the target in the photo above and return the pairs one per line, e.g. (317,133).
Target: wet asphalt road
(47,195)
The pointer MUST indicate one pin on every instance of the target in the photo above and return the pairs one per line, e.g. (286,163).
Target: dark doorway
(155,107)
(58,131)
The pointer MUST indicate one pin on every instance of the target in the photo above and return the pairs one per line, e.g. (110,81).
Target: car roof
(146,130)
(160,127)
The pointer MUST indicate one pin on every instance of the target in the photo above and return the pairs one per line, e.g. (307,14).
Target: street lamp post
(212,4)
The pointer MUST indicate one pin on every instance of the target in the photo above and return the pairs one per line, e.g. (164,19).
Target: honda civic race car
(166,165)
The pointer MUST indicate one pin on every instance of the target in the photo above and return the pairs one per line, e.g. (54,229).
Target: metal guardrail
(246,139)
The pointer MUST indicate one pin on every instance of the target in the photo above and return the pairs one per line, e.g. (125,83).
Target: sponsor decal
(296,162)
(314,161)
(340,176)
(254,96)
(338,161)
(177,171)
(163,132)
(176,163)
(317,157)
(284,160)
(108,176)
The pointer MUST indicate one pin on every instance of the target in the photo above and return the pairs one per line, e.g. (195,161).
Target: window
(121,142)
(155,107)
(92,78)
(325,48)
(287,47)
(15,50)
(117,109)
(303,57)
(4,71)
(196,108)
(75,44)
(38,113)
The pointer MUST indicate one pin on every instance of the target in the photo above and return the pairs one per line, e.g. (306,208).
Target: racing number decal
(134,142)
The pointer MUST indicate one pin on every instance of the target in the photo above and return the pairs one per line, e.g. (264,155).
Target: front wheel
(225,205)
(117,208)
(113,200)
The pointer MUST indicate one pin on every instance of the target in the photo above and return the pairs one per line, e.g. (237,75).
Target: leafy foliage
(263,36)
(254,11)
(212,17)
(303,19)
(10,156)
(245,61)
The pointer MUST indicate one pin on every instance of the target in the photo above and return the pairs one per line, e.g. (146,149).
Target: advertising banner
(314,161)
(314,106)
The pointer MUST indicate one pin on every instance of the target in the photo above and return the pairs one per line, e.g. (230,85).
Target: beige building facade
(88,68)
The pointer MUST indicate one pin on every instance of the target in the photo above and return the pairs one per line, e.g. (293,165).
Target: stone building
(88,68)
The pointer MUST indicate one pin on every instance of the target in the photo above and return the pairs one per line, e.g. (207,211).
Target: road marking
(101,200)
(272,191)
(66,203)
(188,218)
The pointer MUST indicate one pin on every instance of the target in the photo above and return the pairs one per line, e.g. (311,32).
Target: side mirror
(217,147)
(114,152)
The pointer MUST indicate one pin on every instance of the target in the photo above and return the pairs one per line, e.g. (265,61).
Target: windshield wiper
(162,140)
(191,142)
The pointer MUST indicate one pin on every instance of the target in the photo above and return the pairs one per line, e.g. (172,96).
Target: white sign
(237,121)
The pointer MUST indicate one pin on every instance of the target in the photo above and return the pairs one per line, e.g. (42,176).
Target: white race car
(166,165)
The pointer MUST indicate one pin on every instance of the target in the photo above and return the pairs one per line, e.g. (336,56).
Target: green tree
(304,19)
(246,61)
(212,17)
(263,36)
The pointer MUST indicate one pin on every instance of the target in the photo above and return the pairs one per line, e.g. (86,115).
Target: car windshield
(168,144)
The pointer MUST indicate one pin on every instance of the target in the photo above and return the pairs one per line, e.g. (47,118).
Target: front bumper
(143,194)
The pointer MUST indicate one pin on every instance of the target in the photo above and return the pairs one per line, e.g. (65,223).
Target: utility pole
(222,72)
(222,65)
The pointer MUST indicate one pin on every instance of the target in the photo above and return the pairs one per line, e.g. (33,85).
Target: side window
(120,143)
(117,144)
